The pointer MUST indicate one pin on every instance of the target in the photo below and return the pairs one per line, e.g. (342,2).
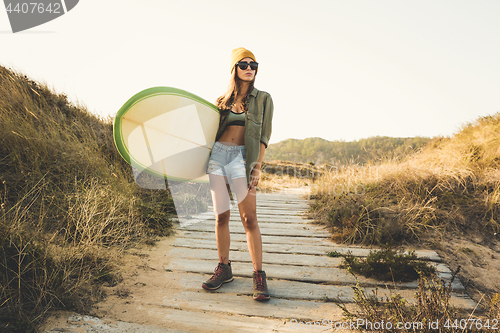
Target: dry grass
(452,184)
(68,204)
(448,189)
(432,311)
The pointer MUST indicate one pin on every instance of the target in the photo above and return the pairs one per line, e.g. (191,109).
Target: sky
(339,70)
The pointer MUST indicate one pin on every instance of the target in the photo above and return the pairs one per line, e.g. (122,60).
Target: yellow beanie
(239,54)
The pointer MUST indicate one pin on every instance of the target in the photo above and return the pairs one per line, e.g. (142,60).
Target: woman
(242,137)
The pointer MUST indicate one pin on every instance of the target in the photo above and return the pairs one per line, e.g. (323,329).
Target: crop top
(237,119)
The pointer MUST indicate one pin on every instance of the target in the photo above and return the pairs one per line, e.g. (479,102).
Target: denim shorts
(227,161)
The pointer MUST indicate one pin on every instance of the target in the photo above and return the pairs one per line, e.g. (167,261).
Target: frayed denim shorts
(227,161)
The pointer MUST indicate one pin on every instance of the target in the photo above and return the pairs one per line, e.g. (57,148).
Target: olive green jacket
(258,119)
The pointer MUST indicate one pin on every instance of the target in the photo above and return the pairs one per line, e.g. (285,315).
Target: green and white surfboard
(167,132)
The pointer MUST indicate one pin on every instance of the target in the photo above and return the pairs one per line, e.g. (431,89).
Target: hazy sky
(340,70)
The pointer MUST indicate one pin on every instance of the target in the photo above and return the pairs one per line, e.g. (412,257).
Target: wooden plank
(265,239)
(279,200)
(264,230)
(280,206)
(295,273)
(268,258)
(277,223)
(270,210)
(271,248)
(295,248)
(356,250)
(329,275)
(170,319)
(296,290)
(240,245)
(278,288)
(236,219)
(196,321)
(243,304)
(278,259)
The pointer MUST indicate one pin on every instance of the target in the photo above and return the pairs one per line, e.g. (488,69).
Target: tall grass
(68,203)
(450,187)
(452,184)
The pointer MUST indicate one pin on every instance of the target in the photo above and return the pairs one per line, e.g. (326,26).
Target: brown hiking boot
(260,292)
(222,274)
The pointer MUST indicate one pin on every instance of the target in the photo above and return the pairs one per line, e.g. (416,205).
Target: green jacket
(258,125)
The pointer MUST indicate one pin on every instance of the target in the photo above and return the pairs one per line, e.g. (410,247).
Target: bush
(389,265)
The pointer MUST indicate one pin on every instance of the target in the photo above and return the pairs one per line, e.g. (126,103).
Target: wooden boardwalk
(303,281)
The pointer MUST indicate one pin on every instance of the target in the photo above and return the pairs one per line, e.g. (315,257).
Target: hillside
(452,183)
(68,203)
(321,151)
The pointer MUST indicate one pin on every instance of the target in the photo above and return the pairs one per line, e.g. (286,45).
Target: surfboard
(167,132)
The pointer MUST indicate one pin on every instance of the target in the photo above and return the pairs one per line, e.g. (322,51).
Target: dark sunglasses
(244,65)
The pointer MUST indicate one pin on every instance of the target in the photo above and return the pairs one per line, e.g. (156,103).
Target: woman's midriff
(233,136)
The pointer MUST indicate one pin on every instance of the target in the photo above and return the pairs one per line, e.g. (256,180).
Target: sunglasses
(244,65)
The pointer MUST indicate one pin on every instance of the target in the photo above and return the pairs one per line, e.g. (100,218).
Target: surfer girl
(236,157)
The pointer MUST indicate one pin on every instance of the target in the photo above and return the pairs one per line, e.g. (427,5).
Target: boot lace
(217,272)
(259,282)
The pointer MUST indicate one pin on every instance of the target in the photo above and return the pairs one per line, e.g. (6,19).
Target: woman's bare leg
(220,197)
(248,212)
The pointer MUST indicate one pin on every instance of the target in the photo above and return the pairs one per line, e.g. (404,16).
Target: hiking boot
(223,274)
(260,292)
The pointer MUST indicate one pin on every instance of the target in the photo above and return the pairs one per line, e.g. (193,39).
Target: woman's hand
(254,178)
(255,174)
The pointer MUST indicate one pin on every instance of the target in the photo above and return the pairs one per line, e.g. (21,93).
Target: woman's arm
(261,156)
(267,120)
(255,175)
(264,140)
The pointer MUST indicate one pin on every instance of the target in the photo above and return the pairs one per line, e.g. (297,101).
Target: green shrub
(389,265)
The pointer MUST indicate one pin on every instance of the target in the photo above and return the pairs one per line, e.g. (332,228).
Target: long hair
(225,102)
